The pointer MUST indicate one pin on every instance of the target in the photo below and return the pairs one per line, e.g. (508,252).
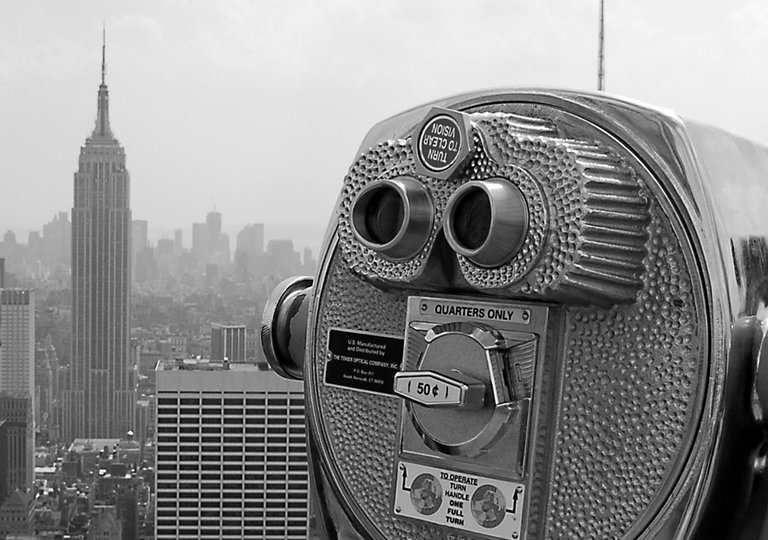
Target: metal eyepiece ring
(393,217)
(486,221)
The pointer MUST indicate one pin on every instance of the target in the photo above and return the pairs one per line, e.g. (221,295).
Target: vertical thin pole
(103,51)
(601,50)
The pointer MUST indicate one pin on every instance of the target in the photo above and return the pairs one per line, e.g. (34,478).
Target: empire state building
(100,400)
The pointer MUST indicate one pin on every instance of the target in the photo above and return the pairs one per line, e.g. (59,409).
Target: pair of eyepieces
(485,221)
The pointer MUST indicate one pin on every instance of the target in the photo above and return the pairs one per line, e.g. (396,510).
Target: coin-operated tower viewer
(538,315)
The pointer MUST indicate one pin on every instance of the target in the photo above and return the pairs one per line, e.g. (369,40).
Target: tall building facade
(100,400)
(17,444)
(17,335)
(228,342)
(17,390)
(231,453)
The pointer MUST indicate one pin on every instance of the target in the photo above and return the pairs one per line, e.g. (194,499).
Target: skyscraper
(231,453)
(17,443)
(17,335)
(17,389)
(100,400)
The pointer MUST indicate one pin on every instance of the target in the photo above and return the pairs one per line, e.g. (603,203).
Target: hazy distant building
(283,260)
(249,250)
(231,453)
(139,242)
(17,335)
(251,240)
(57,235)
(213,221)
(165,258)
(11,254)
(200,243)
(100,398)
(165,247)
(17,443)
(178,240)
(218,241)
(139,234)
(209,244)
(35,243)
(211,275)
(228,342)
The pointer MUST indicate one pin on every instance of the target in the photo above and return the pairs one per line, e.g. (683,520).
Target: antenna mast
(601,50)
(103,51)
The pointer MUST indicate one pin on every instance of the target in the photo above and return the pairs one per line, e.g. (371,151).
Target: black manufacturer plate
(363,361)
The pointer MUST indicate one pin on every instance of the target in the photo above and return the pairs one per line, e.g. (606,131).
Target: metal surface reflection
(540,315)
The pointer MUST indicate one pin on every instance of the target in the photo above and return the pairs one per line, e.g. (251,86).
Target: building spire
(103,52)
(102,128)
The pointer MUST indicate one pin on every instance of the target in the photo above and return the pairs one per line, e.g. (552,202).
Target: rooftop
(204,364)
(81,445)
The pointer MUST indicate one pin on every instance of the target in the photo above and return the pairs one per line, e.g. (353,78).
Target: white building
(231,453)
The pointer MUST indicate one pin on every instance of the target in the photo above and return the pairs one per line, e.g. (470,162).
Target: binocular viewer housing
(538,315)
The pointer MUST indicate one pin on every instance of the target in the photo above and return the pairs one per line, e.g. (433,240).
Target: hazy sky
(259,106)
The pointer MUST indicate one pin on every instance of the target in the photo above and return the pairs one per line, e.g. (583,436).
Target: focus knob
(284,327)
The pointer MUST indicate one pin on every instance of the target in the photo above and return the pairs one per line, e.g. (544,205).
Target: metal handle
(433,389)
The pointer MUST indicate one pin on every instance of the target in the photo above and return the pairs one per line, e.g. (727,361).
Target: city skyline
(302,235)
(92,419)
(231,106)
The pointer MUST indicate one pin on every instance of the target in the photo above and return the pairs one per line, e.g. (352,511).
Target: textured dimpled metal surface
(632,381)
(395,158)
(587,213)
(596,232)
(387,160)
(362,427)
(631,370)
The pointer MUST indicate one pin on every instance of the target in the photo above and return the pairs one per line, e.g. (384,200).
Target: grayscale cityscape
(135,400)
